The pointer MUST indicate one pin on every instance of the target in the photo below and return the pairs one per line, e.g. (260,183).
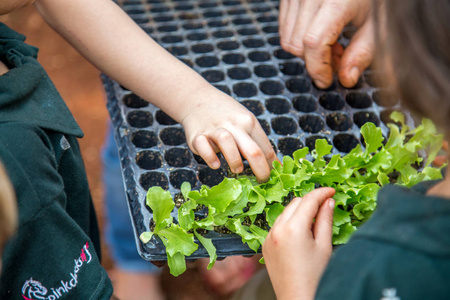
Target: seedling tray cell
(236,47)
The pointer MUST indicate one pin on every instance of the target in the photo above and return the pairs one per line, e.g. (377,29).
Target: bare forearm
(111,41)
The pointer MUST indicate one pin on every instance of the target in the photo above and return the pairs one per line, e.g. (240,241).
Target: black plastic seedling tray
(234,44)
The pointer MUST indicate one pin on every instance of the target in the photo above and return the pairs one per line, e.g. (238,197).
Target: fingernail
(354,74)
(331,203)
(215,164)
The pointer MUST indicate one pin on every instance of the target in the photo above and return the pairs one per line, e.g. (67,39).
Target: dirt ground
(79,84)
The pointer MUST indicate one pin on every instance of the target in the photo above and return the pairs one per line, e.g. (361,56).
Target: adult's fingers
(323,227)
(358,55)
(322,34)
(202,146)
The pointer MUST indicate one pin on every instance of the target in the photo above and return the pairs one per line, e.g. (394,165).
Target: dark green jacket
(55,253)
(403,252)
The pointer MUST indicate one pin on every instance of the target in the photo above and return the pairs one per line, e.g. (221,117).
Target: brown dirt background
(80,86)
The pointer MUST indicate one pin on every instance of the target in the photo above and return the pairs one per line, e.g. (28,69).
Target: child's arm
(298,246)
(212,120)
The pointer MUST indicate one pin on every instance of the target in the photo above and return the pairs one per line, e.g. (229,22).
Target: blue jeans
(119,233)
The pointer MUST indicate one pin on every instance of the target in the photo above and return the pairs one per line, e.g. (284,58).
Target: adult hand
(298,246)
(310,29)
(216,122)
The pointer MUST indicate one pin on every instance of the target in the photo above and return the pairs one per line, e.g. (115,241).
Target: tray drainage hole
(178,157)
(236,11)
(311,123)
(149,160)
(278,106)
(144,139)
(149,179)
(211,177)
(245,89)
(247,31)
(207,61)
(233,58)
(385,117)
(332,101)
(167,28)
(220,34)
(242,21)
(139,118)
(358,100)
(253,43)
(197,36)
(192,26)
(228,45)
(385,98)
(258,56)
(265,126)
(213,76)
(254,106)
(345,142)
(271,87)
(289,145)
(274,41)
(177,50)
(218,23)
(298,85)
(270,29)
(212,14)
(177,177)
(265,71)
(362,117)
(134,101)
(164,119)
(239,73)
(172,136)
(311,141)
(281,54)
(202,48)
(292,68)
(284,125)
(223,88)
(305,103)
(339,121)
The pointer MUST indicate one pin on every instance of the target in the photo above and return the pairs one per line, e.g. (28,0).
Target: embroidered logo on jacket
(34,290)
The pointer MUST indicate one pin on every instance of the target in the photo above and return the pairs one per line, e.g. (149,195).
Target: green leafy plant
(247,208)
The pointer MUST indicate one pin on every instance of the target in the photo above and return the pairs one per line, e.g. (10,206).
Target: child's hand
(216,122)
(297,248)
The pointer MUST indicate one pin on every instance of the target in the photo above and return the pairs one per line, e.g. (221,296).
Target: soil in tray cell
(305,103)
(385,98)
(192,25)
(245,89)
(184,7)
(259,56)
(291,68)
(260,9)
(223,88)
(239,73)
(362,117)
(339,121)
(165,18)
(332,101)
(311,123)
(213,76)
(345,142)
(207,4)
(218,23)
(212,14)
(270,29)
(207,61)
(167,28)
(265,71)
(265,126)
(228,45)
(266,19)
(178,157)
(253,43)
(278,106)
(177,177)
(211,177)
(139,118)
(248,31)
(271,87)
(197,36)
(177,50)
(144,139)
(242,21)
(149,160)
(298,85)
(311,141)
(172,136)
(284,125)
(187,62)
(202,48)
(358,100)
(254,106)
(233,58)
(274,41)
(134,101)
(220,34)
(289,145)
(236,11)
(153,178)
(385,117)
(164,119)
(281,54)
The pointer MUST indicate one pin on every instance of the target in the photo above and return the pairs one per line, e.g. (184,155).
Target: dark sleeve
(50,257)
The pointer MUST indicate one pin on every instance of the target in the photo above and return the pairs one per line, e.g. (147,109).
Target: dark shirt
(55,252)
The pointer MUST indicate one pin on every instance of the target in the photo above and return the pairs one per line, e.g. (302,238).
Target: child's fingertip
(331,203)
(215,164)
